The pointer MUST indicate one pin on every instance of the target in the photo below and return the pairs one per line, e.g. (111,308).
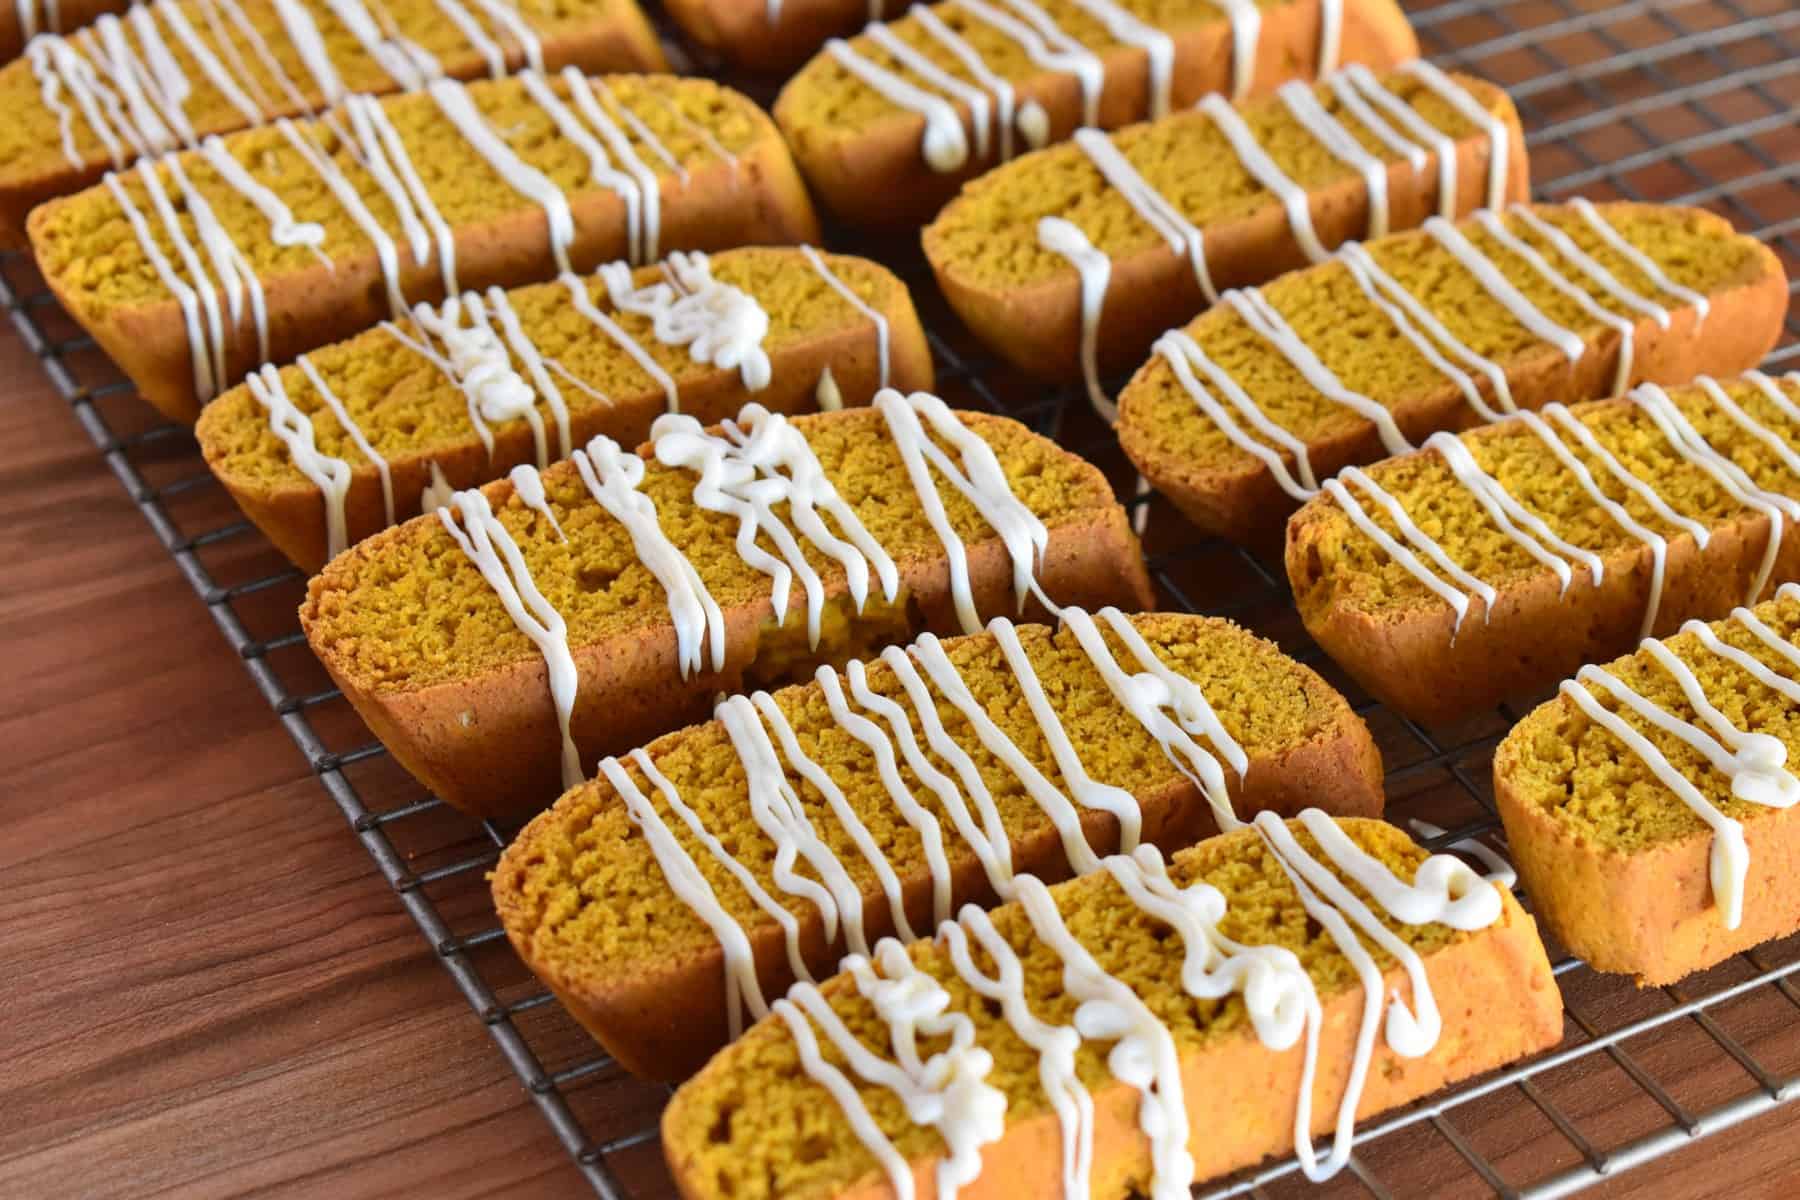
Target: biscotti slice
(1650,806)
(1132,1031)
(326,452)
(608,599)
(931,777)
(1489,566)
(195,270)
(26,19)
(1241,415)
(1075,258)
(170,73)
(888,124)
(773,36)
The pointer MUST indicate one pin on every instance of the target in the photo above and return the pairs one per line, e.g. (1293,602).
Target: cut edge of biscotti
(1240,494)
(872,341)
(619,38)
(481,731)
(1297,744)
(1041,323)
(772,1114)
(707,198)
(1458,640)
(1693,863)
(875,172)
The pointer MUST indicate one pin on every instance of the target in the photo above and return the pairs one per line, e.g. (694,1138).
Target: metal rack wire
(1689,100)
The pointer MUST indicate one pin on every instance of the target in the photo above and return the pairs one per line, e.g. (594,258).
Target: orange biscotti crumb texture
(415,415)
(489,184)
(1076,257)
(1240,408)
(891,106)
(758,1122)
(248,63)
(1657,835)
(587,897)
(422,643)
(1535,545)
(987,237)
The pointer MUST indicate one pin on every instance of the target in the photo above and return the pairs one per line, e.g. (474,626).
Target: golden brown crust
(631,687)
(292,516)
(878,178)
(1651,913)
(1246,505)
(759,199)
(740,32)
(1037,328)
(1418,664)
(664,1024)
(1499,1003)
(623,40)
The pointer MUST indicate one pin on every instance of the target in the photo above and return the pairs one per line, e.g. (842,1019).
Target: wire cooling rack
(1689,100)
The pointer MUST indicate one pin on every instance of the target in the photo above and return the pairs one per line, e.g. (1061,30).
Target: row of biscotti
(553,609)
(872,122)
(196,269)
(1152,1022)
(689,884)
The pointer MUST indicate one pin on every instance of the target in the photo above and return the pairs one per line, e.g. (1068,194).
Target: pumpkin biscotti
(774,35)
(1075,258)
(195,269)
(1131,1032)
(1240,416)
(607,600)
(1650,807)
(323,453)
(1491,565)
(168,74)
(887,124)
(931,777)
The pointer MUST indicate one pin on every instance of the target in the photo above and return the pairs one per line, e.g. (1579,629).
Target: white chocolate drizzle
(1094,269)
(491,548)
(1495,283)
(138,96)
(454,102)
(1754,764)
(1648,266)
(295,429)
(378,149)
(882,348)
(1169,706)
(1281,1000)
(991,99)
(1532,534)
(718,323)
(1471,110)
(1313,117)
(754,464)
(1264,169)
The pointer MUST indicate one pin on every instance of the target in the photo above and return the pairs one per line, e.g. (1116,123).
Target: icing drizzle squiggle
(1094,268)
(1531,533)
(1170,707)
(1755,764)
(756,463)
(198,277)
(1282,1002)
